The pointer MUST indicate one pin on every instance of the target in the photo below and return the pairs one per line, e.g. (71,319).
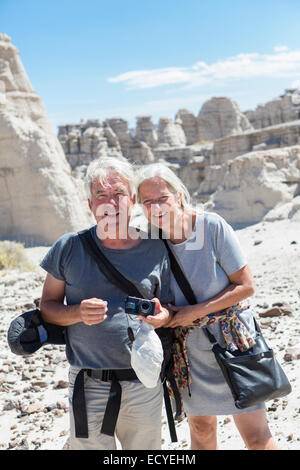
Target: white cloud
(153,78)
(281,48)
(282,63)
(295,84)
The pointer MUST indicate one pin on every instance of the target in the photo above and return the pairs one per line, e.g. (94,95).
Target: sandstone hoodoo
(189,125)
(145,131)
(170,133)
(39,198)
(220,117)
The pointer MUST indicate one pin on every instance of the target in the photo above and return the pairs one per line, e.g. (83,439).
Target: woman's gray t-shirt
(106,345)
(207,258)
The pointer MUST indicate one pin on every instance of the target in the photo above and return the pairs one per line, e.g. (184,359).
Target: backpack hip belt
(113,404)
(106,375)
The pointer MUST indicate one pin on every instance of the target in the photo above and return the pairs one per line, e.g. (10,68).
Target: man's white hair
(100,169)
(162,171)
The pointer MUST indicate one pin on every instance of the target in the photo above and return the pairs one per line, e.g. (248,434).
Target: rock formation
(286,108)
(39,198)
(280,135)
(89,140)
(145,131)
(245,166)
(213,171)
(84,142)
(221,117)
(245,189)
(226,162)
(131,147)
(189,126)
(170,133)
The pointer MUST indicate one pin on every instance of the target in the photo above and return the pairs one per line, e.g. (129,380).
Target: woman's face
(160,204)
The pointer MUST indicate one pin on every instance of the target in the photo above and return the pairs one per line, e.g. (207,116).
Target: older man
(97,327)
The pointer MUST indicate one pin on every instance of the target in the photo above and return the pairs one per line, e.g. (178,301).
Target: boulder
(278,309)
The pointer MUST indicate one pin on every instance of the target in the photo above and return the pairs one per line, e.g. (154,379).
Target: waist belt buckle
(106,375)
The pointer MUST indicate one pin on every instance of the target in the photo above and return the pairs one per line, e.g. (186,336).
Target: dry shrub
(13,256)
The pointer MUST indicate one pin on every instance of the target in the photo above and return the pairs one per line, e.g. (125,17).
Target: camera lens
(145,306)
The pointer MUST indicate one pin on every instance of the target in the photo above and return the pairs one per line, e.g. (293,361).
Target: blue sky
(96,59)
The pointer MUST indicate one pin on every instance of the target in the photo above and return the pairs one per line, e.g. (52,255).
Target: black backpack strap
(112,408)
(79,407)
(169,413)
(110,272)
(182,282)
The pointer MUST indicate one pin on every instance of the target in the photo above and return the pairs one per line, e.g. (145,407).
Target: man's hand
(160,317)
(93,311)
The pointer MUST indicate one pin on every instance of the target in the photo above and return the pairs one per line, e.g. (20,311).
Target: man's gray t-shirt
(208,257)
(106,345)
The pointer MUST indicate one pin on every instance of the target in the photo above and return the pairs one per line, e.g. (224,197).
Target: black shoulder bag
(253,376)
(165,334)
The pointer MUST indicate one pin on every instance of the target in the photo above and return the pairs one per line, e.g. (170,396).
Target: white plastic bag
(147,355)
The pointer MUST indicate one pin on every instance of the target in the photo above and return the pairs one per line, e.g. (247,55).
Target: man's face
(111,203)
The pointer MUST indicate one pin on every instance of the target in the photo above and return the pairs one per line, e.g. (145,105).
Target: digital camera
(136,306)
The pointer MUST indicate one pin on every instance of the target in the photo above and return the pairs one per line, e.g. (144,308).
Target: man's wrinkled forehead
(111,181)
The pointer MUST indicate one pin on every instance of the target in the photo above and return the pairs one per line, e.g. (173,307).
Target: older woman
(210,255)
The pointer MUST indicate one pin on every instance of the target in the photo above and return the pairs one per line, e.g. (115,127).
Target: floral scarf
(235,334)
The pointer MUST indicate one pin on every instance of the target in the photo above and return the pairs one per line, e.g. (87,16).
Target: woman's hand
(184,316)
(161,315)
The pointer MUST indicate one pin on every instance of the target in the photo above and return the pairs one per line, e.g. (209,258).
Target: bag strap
(256,324)
(108,269)
(178,274)
(182,282)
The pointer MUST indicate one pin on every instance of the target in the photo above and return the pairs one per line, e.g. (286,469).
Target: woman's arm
(89,311)
(241,287)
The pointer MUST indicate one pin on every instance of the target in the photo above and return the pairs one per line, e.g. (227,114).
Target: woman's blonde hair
(162,171)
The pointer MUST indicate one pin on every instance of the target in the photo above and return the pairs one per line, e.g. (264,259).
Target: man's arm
(89,311)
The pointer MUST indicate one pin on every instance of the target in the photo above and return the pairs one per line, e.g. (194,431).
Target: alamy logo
(114,223)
